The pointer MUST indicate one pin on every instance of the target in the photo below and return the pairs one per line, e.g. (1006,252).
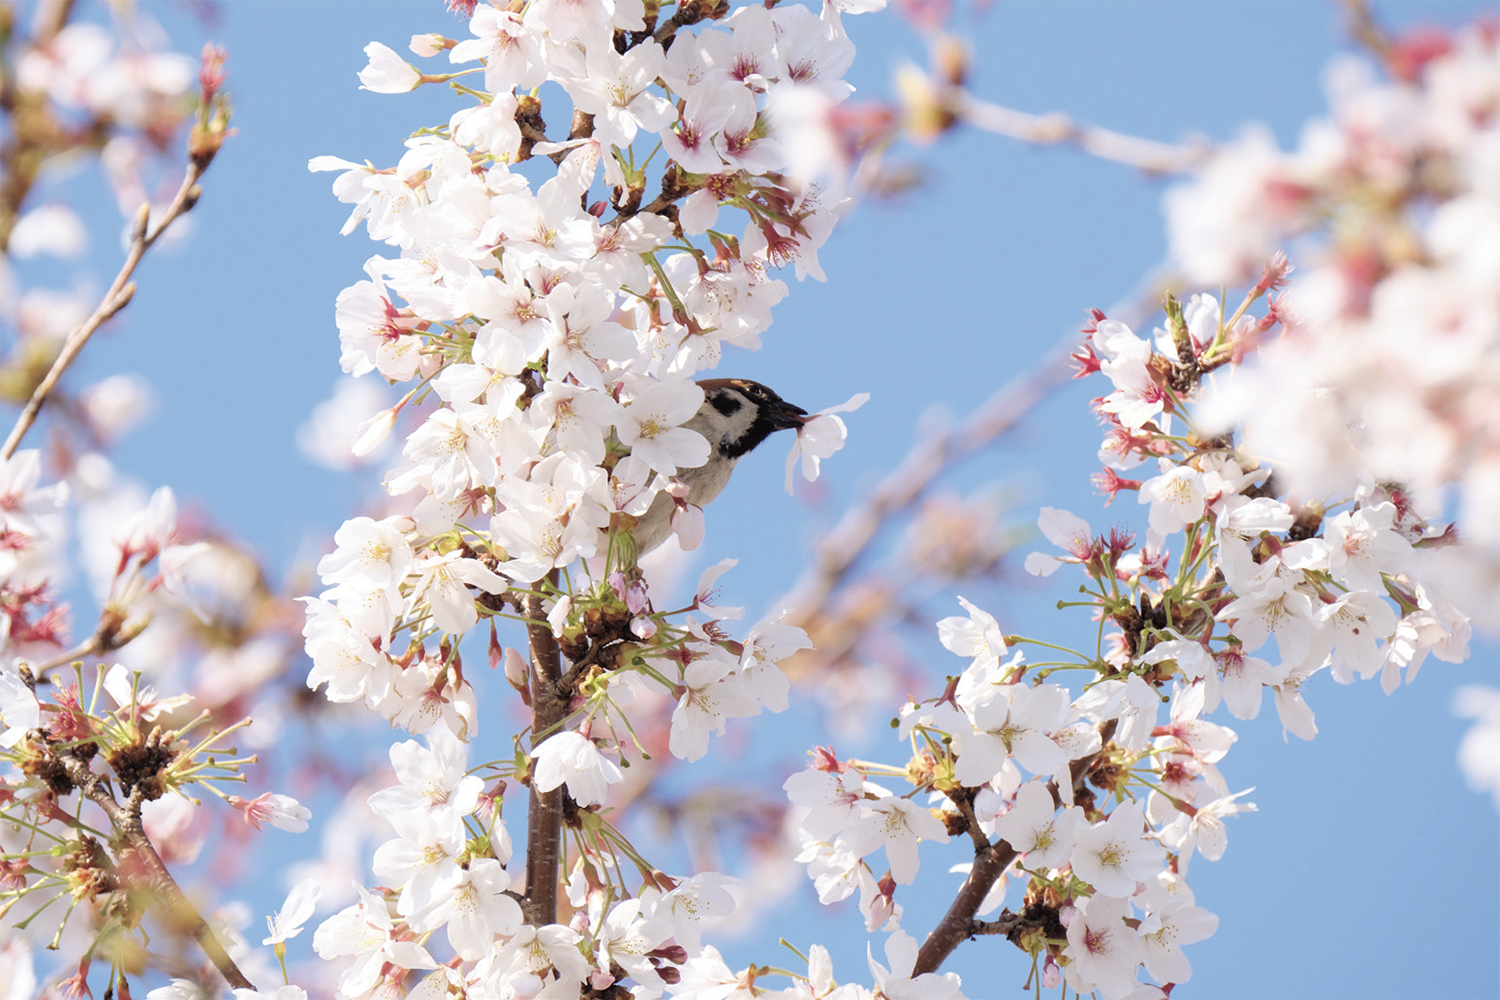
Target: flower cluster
(1100,798)
(1010,764)
(1383,385)
(552,331)
(103,750)
(553,350)
(446,871)
(1387,372)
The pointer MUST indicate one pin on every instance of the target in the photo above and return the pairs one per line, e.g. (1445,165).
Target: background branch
(1059,129)
(120,291)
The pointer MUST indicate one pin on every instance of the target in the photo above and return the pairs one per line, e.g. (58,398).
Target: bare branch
(1057,128)
(1003,924)
(957,924)
(115,299)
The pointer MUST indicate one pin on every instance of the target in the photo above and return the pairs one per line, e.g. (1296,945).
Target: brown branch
(1003,924)
(544,812)
(51,18)
(688,14)
(582,126)
(601,653)
(120,291)
(963,801)
(958,924)
(1360,23)
(134,851)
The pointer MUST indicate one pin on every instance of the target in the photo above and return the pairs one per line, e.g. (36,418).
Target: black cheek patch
(757,432)
(727,403)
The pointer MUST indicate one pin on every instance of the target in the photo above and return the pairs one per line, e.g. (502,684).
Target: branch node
(140,223)
(120,301)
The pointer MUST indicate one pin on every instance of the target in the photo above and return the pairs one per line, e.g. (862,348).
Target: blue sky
(1370,870)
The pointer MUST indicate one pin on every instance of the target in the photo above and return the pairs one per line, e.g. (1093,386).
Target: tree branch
(1003,924)
(958,924)
(963,801)
(1057,128)
(137,859)
(544,811)
(120,292)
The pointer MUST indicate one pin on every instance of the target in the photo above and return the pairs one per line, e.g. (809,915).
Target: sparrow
(737,414)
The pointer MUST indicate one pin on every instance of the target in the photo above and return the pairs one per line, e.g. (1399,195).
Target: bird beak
(784,415)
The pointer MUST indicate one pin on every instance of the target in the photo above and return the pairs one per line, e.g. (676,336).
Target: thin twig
(1052,129)
(120,291)
(88,647)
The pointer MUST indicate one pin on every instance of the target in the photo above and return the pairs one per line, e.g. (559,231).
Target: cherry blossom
(1034,827)
(1104,951)
(570,757)
(1113,856)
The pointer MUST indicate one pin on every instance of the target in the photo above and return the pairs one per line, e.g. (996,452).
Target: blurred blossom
(80,70)
(177,828)
(1389,369)
(49,314)
(328,436)
(53,229)
(115,404)
(1479,753)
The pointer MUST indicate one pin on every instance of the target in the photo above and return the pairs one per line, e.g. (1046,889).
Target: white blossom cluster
(447,873)
(1351,580)
(1006,749)
(1022,764)
(552,332)
(1389,369)
(555,351)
